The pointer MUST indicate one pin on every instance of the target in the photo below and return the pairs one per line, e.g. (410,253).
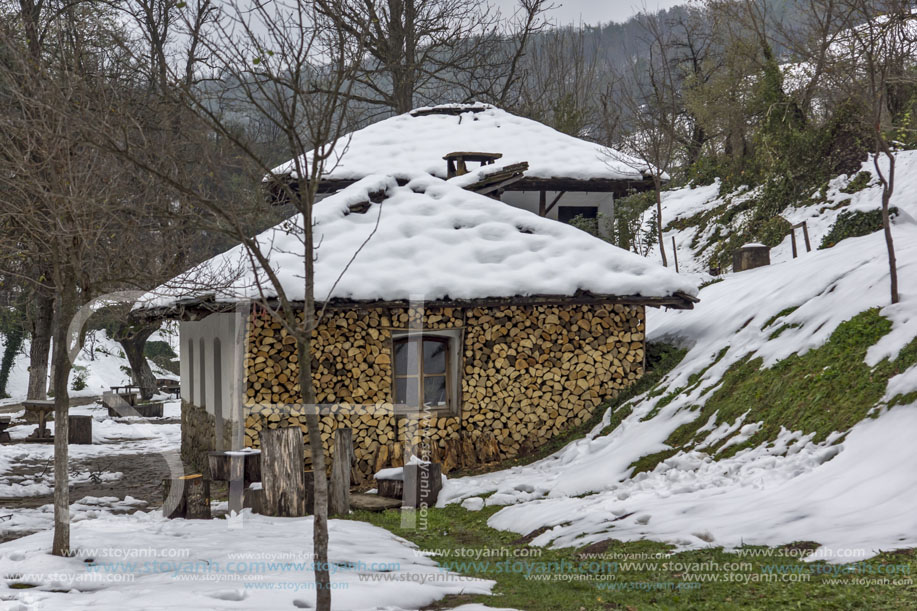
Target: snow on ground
(855,497)
(143,561)
(26,468)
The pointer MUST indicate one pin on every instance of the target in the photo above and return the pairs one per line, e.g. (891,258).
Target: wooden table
(42,408)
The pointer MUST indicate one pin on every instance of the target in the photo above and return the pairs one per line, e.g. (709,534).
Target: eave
(196,310)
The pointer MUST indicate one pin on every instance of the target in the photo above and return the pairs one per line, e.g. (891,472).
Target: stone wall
(198,436)
(528,373)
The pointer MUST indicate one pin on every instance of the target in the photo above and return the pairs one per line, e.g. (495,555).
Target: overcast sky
(593,12)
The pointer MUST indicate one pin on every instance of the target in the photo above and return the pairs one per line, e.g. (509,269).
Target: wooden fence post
(675,254)
(282,472)
(339,503)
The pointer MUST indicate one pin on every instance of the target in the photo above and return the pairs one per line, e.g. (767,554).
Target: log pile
(528,373)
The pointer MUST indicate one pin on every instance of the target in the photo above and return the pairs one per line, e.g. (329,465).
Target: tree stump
(282,472)
(750,256)
(80,430)
(191,500)
(422,483)
(339,503)
(254,499)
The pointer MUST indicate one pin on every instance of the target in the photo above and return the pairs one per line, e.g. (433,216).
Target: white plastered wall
(528,200)
(216,326)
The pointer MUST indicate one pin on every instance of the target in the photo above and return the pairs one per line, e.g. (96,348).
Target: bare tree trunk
(133,340)
(320,517)
(657,186)
(66,308)
(43,313)
(888,186)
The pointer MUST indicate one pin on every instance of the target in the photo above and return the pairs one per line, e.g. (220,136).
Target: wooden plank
(554,203)
(339,502)
(282,472)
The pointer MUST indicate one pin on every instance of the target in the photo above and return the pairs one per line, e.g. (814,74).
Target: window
(426,372)
(565,214)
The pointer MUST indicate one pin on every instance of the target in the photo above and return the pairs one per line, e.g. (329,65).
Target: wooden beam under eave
(554,202)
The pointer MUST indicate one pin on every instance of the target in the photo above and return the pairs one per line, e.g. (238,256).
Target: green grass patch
(644,574)
(780,314)
(825,390)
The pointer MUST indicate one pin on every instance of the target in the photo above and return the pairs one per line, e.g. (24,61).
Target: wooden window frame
(452,338)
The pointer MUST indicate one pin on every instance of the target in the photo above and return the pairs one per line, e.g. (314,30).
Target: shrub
(79,378)
(858,183)
(852,224)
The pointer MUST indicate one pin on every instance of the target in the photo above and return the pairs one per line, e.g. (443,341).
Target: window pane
(406,391)
(406,357)
(434,356)
(434,391)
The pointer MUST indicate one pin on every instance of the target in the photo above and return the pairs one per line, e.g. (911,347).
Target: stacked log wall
(528,373)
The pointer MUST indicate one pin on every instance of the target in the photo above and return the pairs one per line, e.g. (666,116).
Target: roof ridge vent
(449,109)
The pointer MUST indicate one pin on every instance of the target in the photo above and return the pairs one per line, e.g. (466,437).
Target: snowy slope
(681,204)
(99,363)
(853,494)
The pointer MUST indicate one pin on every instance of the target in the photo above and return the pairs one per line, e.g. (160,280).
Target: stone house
(464,329)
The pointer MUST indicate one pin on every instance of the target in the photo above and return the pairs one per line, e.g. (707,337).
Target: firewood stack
(528,374)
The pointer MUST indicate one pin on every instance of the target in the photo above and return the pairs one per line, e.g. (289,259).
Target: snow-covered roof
(427,239)
(416,142)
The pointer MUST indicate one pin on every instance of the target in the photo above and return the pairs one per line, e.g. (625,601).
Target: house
(464,328)
(566,176)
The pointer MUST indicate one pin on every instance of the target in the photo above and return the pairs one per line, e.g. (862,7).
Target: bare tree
(430,50)
(871,61)
(560,78)
(643,105)
(283,67)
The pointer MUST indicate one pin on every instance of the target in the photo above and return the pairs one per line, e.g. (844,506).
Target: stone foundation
(198,436)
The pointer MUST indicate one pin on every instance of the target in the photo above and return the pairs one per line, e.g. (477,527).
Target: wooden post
(339,503)
(422,483)
(793,241)
(282,472)
(675,254)
(542,202)
(80,430)
(192,500)
(805,235)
